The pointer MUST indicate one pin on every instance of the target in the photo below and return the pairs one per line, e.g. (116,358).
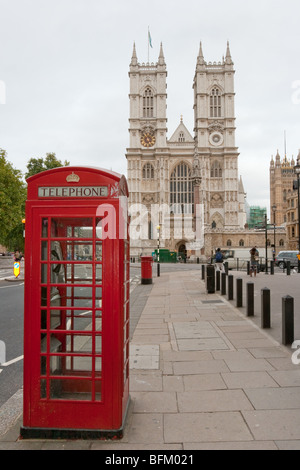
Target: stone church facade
(189,180)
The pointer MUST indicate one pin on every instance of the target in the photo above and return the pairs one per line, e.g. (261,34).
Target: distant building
(257,217)
(292,225)
(282,177)
(188,169)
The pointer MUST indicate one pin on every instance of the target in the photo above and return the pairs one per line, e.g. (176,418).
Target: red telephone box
(76,332)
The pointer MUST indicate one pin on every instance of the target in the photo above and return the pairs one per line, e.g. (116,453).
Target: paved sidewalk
(202,377)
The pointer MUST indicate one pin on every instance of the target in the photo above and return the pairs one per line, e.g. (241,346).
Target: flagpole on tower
(149,42)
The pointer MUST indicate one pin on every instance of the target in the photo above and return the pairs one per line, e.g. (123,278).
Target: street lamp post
(266,236)
(274,207)
(158,240)
(297,172)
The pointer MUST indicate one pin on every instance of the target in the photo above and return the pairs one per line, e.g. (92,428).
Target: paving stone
(236,329)
(232,355)
(204,344)
(244,365)
(181,356)
(120,446)
(201,367)
(251,445)
(212,401)
(252,343)
(144,356)
(286,378)
(190,330)
(274,425)
(205,427)
(284,363)
(239,335)
(154,402)
(274,398)
(173,383)
(154,332)
(203,382)
(288,445)
(148,339)
(145,383)
(161,327)
(261,353)
(236,380)
(146,428)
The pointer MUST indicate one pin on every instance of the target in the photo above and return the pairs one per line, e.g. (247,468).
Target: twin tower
(186,169)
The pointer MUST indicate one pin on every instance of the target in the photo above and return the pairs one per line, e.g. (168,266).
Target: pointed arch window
(215,103)
(181,190)
(148,102)
(148,172)
(216,170)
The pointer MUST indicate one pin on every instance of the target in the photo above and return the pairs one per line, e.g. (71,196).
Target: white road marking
(85,313)
(9,363)
(10,287)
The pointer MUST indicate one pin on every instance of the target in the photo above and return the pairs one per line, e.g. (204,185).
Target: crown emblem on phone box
(72,178)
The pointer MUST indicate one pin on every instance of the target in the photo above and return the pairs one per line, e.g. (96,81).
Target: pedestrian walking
(254,254)
(220,260)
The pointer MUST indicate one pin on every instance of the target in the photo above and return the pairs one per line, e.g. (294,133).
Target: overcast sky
(64,66)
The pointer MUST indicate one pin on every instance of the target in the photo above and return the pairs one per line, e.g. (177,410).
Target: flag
(150,39)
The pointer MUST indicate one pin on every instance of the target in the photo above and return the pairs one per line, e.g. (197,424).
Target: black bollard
(248,268)
(230,287)
(218,276)
(226,267)
(198,260)
(223,283)
(288,268)
(272,268)
(210,279)
(239,292)
(265,308)
(250,299)
(202,272)
(287,320)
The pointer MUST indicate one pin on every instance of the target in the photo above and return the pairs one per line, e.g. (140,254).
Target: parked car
(284,256)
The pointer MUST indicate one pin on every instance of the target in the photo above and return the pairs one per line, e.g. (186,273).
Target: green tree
(36,165)
(12,204)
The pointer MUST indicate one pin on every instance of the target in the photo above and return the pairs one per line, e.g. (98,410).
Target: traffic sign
(16,268)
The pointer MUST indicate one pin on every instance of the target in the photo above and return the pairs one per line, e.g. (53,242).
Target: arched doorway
(182,250)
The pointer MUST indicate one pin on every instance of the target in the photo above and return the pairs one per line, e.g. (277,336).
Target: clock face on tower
(147,139)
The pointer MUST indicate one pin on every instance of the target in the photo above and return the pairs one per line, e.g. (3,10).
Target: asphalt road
(11,333)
